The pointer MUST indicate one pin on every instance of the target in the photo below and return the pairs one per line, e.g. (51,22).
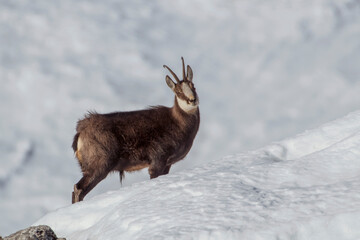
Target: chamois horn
(183,70)
(176,78)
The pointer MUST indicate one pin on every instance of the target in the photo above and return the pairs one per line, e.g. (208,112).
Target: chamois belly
(136,167)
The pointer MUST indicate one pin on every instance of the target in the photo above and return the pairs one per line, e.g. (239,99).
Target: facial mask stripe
(187,91)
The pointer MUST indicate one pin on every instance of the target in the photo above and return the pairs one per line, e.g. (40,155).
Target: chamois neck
(180,113)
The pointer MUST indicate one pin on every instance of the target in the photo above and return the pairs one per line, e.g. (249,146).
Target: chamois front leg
(166,170)
(158,168)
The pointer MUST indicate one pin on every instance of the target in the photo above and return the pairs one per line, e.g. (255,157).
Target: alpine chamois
(129,141)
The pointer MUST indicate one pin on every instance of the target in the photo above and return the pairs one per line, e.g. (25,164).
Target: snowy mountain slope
(264,70)
(262,194)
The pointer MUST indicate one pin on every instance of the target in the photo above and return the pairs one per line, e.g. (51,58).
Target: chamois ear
(170,82)
(189,75)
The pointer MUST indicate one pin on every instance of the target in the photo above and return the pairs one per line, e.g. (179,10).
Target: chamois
(156,137)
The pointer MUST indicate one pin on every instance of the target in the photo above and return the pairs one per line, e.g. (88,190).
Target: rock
(41,232)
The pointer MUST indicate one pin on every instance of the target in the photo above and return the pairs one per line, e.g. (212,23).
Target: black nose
(192,101)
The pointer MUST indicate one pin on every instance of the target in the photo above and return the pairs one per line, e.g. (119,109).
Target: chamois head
(184,90)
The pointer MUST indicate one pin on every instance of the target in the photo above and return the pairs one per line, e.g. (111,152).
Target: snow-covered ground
(306,187)
(264,70)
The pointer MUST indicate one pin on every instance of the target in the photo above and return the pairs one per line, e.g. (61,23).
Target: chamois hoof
(76,194)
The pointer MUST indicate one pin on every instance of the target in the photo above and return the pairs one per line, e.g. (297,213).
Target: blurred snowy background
(264,70)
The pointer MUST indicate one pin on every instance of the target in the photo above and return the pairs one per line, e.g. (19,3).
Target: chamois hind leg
(87,183)
(77,194)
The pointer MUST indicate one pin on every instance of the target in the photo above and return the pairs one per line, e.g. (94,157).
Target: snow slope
(264,70)
(305,187)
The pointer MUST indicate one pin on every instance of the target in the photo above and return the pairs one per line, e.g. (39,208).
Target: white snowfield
(305,187)
(263,70)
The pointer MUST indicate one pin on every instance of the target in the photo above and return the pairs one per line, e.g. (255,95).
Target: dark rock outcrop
(41,232)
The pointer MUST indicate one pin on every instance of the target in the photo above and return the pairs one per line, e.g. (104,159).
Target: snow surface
(264,70)
(305,187)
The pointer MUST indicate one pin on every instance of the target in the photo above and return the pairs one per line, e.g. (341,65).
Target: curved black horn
(176,78)
(183,70)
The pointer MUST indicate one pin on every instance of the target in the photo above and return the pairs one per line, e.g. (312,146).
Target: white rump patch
(79,144)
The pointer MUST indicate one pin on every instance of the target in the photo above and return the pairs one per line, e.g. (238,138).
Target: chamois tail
(74,144)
